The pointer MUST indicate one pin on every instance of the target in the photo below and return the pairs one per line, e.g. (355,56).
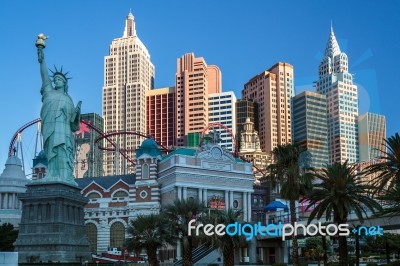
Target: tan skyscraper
(128,74)
(273,90)
(371,136)
(194,81)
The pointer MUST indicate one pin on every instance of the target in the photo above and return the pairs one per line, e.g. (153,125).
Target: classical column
(226,200)
(230,199)
(249,206)
(205,196)
(200,195)
(6,201)
(179,250)
(14,205)
(245,210)
(245,255)
(180,193)
(261,252)
(11,200)
(10,197)
(185,193)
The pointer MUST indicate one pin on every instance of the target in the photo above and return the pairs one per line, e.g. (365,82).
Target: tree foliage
(286,171)
(149,232)
(388,171)
(179,214)
(226,243)
(8,235)
(340,191)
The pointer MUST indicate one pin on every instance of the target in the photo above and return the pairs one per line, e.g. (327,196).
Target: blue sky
(243,38)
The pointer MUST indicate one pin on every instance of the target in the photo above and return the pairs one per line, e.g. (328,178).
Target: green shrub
(279,264)
(372,264)
(213,264)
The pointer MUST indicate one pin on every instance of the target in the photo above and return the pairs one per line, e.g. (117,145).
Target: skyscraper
(245,109)
(272,90)
(310,127)
(194,81)
(89,158)
(221,108)
(161,115)
(128,74)
(371,135)
(336,83)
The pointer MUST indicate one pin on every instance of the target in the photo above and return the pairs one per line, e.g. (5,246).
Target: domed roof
(13,160)
(150,147)
(13,168)
(41,159)
(41,154)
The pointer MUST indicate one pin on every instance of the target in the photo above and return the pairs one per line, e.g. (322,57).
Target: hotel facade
(336,83)
(273,90)
(128,75)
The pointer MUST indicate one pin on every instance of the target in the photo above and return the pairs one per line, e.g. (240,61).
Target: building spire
(332,46)
(129,26)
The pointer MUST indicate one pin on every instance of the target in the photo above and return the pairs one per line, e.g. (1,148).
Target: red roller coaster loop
(19,131)
(212,125)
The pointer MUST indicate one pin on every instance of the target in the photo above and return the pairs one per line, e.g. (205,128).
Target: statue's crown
(60,73)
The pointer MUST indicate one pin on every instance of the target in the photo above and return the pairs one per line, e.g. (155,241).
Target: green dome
(150,147)
(41,155)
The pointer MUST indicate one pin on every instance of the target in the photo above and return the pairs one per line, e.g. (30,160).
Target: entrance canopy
(275,205)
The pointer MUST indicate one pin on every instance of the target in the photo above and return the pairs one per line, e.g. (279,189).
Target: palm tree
(286,171)
(179,214)
(388,171)
(341,190)
(149,232)
(226,243)
(391,196)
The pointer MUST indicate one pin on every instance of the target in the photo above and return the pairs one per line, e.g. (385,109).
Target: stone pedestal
(52,226)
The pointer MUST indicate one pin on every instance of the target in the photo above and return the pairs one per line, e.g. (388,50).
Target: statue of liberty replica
(52,224)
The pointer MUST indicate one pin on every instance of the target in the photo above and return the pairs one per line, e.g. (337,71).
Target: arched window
(120,195)
(93,196)
(145,171)
(117,235)
(91,230)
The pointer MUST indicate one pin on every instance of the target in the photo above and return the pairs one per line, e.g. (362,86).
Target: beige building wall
(128,74)
(214,79)
(273,90)
(371,136)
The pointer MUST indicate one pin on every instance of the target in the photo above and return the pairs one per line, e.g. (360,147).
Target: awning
(274,205)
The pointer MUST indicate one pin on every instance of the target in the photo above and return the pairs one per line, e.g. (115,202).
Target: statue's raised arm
(46,82)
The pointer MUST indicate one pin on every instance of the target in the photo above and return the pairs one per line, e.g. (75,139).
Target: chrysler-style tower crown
(129,26)
(332,47)
(334,60)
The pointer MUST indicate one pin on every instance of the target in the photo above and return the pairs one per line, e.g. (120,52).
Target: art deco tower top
(129,26)
(332,47)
